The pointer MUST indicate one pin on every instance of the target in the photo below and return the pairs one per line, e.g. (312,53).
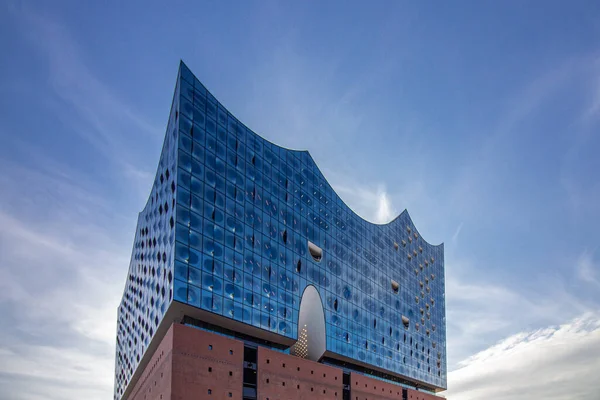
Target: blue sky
(481,118)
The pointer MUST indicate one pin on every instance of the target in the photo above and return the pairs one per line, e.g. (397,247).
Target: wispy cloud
(372,203)
(79,98)
(60,251)
(456,233)
(480,310)
(555,363)
(588,271)
(63,332)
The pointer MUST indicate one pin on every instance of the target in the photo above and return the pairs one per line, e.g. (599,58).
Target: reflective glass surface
(232,221)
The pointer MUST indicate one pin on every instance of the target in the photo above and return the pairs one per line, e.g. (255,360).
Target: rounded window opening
(315,251)
(395,286)
(405,321)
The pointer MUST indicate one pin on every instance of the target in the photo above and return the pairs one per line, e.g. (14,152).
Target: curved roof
(306,153)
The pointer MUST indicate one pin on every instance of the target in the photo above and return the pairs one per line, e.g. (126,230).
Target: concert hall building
(250,278)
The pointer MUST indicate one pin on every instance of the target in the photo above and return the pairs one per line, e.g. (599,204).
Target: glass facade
(227,229)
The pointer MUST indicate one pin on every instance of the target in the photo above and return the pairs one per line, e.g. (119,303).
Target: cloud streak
(555,363)
(587,269)
(81,100)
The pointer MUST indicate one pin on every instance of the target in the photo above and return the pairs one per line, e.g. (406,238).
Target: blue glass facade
(226,230)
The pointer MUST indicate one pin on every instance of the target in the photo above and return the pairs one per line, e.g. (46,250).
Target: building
(250,278)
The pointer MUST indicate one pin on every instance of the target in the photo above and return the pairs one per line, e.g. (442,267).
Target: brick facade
(192,364)
(282,377)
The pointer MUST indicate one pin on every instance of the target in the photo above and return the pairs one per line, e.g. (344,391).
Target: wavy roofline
(392,221)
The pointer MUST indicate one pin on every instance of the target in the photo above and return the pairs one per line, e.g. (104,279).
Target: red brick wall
(204,361)
(364,388)
(416,395)
(286,377)
(189,362)
(155,381)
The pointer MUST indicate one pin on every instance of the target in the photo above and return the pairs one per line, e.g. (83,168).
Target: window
(209,369)
(405,321)
(230,373)
(230,352)
(315,251)
(209,391)
(210,346)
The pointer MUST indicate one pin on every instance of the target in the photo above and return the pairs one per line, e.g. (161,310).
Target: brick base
(192,364)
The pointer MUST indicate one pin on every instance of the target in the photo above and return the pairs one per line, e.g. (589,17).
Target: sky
(482,118)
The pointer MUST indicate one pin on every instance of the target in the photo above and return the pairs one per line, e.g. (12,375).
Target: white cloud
(59,288)
(384,210)
(372,203)
(58,373)
(480,311)
(587,269)
(554,363)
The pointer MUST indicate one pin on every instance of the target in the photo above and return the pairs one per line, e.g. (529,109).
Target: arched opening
(311,342)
